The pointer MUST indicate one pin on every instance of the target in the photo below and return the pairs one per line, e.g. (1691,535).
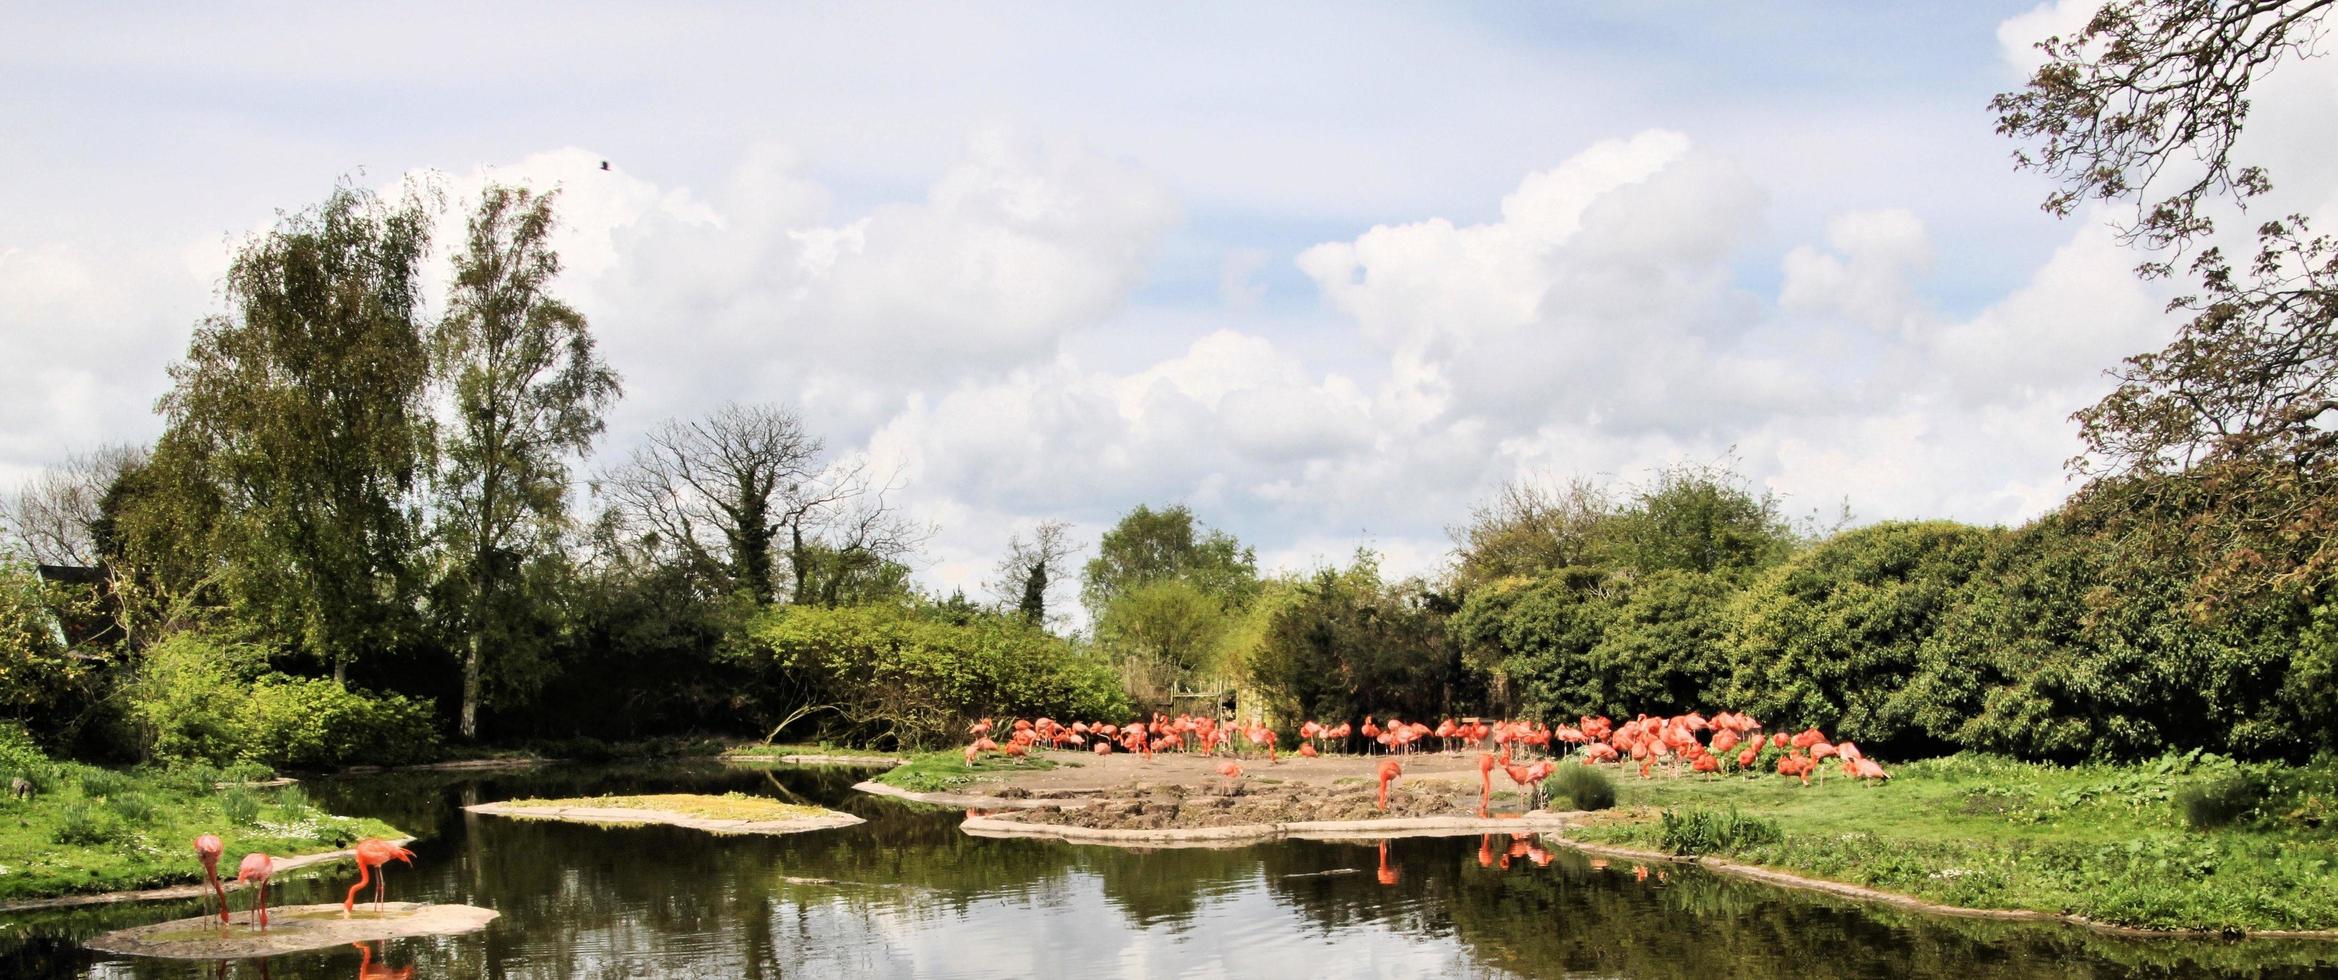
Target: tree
(1528,529)
(528,392)
(2146,105)
(53,514)
(305,406)
(1031,569)
(1348,644)
(1167,623)
(1149,545)
(1699,518)
(715,494)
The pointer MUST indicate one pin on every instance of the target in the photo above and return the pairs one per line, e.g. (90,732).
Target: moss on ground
(728,806)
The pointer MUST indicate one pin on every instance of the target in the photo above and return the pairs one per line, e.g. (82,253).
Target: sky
(1327,274)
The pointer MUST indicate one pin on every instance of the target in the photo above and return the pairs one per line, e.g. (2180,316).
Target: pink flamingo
(255,870)
(207,848)
(372,853)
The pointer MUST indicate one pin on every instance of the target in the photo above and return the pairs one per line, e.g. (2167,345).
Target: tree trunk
(469,725)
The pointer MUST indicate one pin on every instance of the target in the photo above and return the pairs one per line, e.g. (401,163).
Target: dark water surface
(908,895)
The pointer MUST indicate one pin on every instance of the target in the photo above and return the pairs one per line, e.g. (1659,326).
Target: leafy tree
(1528,529)
(1169,624)
(1347,644)
(1150,545)
(528,393)
(2146,105)
(305,407)
(1699,518)
(1536,636)
(1664,648)
(1830,637)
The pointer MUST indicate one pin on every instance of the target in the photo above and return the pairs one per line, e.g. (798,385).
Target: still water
(908,895)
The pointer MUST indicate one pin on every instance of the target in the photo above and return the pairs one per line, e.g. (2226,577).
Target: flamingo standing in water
(372,853)
(207,848)
(255,870)
(1388,770)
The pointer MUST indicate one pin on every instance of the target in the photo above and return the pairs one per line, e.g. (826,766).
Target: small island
(291,929)
(729,813)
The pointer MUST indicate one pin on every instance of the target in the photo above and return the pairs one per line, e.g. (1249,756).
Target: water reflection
(907,894)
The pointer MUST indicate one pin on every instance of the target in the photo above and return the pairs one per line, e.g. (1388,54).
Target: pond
(906,894)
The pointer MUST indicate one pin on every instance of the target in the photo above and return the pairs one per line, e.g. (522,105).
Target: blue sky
(1328,273)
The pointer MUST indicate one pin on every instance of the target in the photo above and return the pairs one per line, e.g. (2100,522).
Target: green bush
(135,808)
(1704,831)
(318,723)
(897,677)
(82,823)
(1831,637)
(101,783)
(2222,801)
(185,693)
(242,806)
(20,756)
(1586,787)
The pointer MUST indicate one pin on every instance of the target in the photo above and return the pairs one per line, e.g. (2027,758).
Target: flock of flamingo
(372,853)
(1727,742)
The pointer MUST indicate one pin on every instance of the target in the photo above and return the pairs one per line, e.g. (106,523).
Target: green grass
(928,772)
(2105,842)
(94,829)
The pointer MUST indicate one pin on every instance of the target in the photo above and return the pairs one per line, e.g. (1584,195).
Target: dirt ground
(1123,791)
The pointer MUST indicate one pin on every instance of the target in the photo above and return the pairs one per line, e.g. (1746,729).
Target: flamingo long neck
(219,890)
(364,875)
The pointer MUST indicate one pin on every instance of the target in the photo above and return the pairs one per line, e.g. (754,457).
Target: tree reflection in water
(907,894)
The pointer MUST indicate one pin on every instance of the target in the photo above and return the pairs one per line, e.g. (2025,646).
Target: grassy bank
(928,772)
(2181,843)
(90,829)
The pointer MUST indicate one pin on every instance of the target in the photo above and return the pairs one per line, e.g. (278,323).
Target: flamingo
(207,849)
(1485,778)
(1388,770)
(1388,875)
(1233,772)
(255,869)
(372,853)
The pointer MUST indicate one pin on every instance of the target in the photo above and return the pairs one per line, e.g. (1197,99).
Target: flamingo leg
(364,875)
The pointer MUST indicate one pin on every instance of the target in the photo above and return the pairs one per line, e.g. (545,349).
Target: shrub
(1830,638)
(242,806)
(1586,787)
(2222,801)
(79,823)
(185,693)
(20,756)
(895,676)
(101,783)
(318,723)
(1705,831)
(136,808)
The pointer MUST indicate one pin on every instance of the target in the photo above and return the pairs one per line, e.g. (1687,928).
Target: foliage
(1703,830)
(1587,787)
(1829,638)
(1663,646)
(528,393)
(305,407)
(311,722)
(931,772)
(203,698)
(1150,545)
(1349,644)
(1169,623)
(1528,529)
(1987,832)
(94,829)
(42,680)
(892,675)
(2222,801)
(1535,638)
(1699,518)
